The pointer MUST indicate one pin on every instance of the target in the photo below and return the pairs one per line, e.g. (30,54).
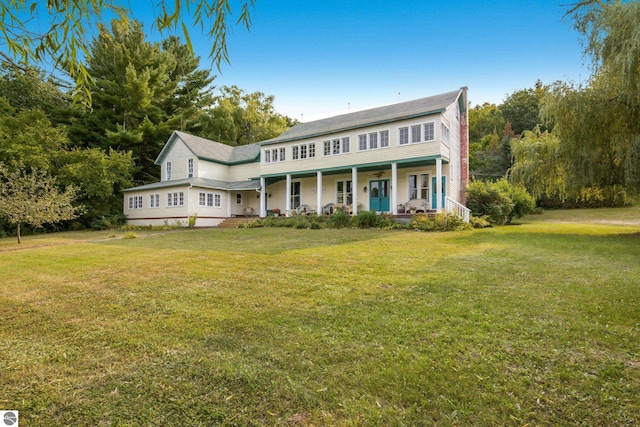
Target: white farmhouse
(401,158)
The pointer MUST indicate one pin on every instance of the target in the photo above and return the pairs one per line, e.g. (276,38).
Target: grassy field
(529,324)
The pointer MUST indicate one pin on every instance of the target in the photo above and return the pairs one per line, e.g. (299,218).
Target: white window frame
(403,135)
(175,199)
(362,142)
(417,133)
(383,139)
(135,202)
(168,171)
(303,151)
(429,129)
(336,146)
(373,140)
(274,155)
(421,185)
(344,197)
(239,199)
(209,199)
(444,133)
(190,167)
(154,200)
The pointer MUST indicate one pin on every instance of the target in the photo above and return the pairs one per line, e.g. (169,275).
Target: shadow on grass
(254,240)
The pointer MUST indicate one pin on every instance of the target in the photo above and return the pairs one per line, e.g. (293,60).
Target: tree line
(572,145)
(141,92)
(566,144)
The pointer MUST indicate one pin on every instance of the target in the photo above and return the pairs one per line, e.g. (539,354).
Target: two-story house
(386,159)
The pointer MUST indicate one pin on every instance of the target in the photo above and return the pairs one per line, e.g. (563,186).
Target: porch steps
(235,221)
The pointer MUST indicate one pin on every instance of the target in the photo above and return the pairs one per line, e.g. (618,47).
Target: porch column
(287,196)
(319,193)
(439,184)
(354,189)
(263,198)
(394,188)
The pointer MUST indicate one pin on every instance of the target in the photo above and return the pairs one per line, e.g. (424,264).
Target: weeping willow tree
(599,124)
(537,165)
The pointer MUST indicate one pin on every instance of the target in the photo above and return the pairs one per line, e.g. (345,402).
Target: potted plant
(276,212)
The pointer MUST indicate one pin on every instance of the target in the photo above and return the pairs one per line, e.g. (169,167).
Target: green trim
(160,184)
(167,147)
(223,163)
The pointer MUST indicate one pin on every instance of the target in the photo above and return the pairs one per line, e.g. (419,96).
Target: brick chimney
(464,144)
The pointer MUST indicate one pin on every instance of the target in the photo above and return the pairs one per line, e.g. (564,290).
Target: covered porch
(390,187)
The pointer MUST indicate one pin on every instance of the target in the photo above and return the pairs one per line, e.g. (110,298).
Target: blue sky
(321,58)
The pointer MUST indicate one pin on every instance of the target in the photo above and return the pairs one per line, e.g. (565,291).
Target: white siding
(162,215)
(212,170)
(355,157)
(178,157)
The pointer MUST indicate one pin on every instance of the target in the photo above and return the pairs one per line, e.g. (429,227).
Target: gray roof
(374,116)
(202,183)
(205,149)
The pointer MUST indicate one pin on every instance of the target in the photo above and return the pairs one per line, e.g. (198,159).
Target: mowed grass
(530,324)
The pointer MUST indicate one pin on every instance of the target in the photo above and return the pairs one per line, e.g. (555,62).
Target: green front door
(434,190)
(379,195)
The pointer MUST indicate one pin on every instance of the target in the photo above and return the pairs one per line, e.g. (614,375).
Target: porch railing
(458,209)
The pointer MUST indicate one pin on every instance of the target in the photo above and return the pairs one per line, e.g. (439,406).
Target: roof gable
(374,116)
(206,149)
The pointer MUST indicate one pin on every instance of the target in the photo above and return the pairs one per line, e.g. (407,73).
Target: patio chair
(416,206)
(302,209)
(328,209)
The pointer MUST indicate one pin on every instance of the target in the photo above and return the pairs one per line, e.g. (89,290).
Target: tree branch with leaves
(65,40)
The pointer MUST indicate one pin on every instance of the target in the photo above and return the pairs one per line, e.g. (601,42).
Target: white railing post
(457,208)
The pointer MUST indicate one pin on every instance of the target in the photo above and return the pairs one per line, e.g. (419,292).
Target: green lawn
(530,324)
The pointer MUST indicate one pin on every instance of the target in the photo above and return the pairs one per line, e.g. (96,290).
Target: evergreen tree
(142,91)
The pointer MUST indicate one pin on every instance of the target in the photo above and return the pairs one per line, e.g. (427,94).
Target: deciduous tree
(33,197)
(240,118)
(599,124)
(537,165)
(29,138)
